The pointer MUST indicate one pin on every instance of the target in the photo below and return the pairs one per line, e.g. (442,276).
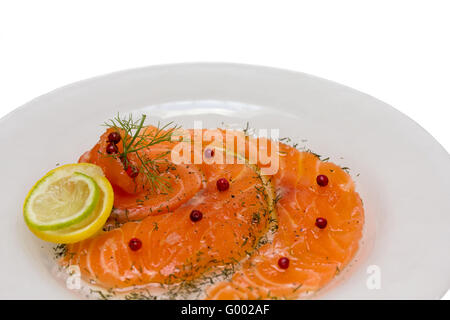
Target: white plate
(402,173)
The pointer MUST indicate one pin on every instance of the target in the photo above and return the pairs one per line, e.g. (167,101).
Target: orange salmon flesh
(246,229)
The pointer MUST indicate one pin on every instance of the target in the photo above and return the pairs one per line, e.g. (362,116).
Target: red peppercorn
(222,184)
(111,148)
(322,180)
(209,153)
(135,244)
(132,171)
(283,263)
(321,223)
(196,215)
(114,137)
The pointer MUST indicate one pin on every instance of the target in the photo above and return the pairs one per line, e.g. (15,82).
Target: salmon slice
(174,248)
(133,198)
(315,255)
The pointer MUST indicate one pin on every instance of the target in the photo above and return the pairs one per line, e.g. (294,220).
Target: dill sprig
(135,138)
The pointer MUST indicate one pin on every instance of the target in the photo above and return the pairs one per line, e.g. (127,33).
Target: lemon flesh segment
(94,222)
(61,199)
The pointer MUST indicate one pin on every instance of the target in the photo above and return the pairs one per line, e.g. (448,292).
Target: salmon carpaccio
(250,226)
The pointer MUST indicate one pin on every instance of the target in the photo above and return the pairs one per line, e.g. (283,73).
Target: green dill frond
(135,138)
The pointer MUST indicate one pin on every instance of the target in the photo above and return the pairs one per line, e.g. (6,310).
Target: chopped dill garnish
(140,296)
(277,197)
(256,218)
(246,130)
(337,270)
(60,250)
(298,287)
(285,140)
(313,153)
(102,295)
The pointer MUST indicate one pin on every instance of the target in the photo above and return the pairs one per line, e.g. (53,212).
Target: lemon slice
(91,223)
(62,198)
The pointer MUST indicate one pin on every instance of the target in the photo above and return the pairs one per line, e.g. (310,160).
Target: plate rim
(211,64)
(221,65)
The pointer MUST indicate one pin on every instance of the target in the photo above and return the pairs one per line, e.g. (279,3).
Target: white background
(395,50)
